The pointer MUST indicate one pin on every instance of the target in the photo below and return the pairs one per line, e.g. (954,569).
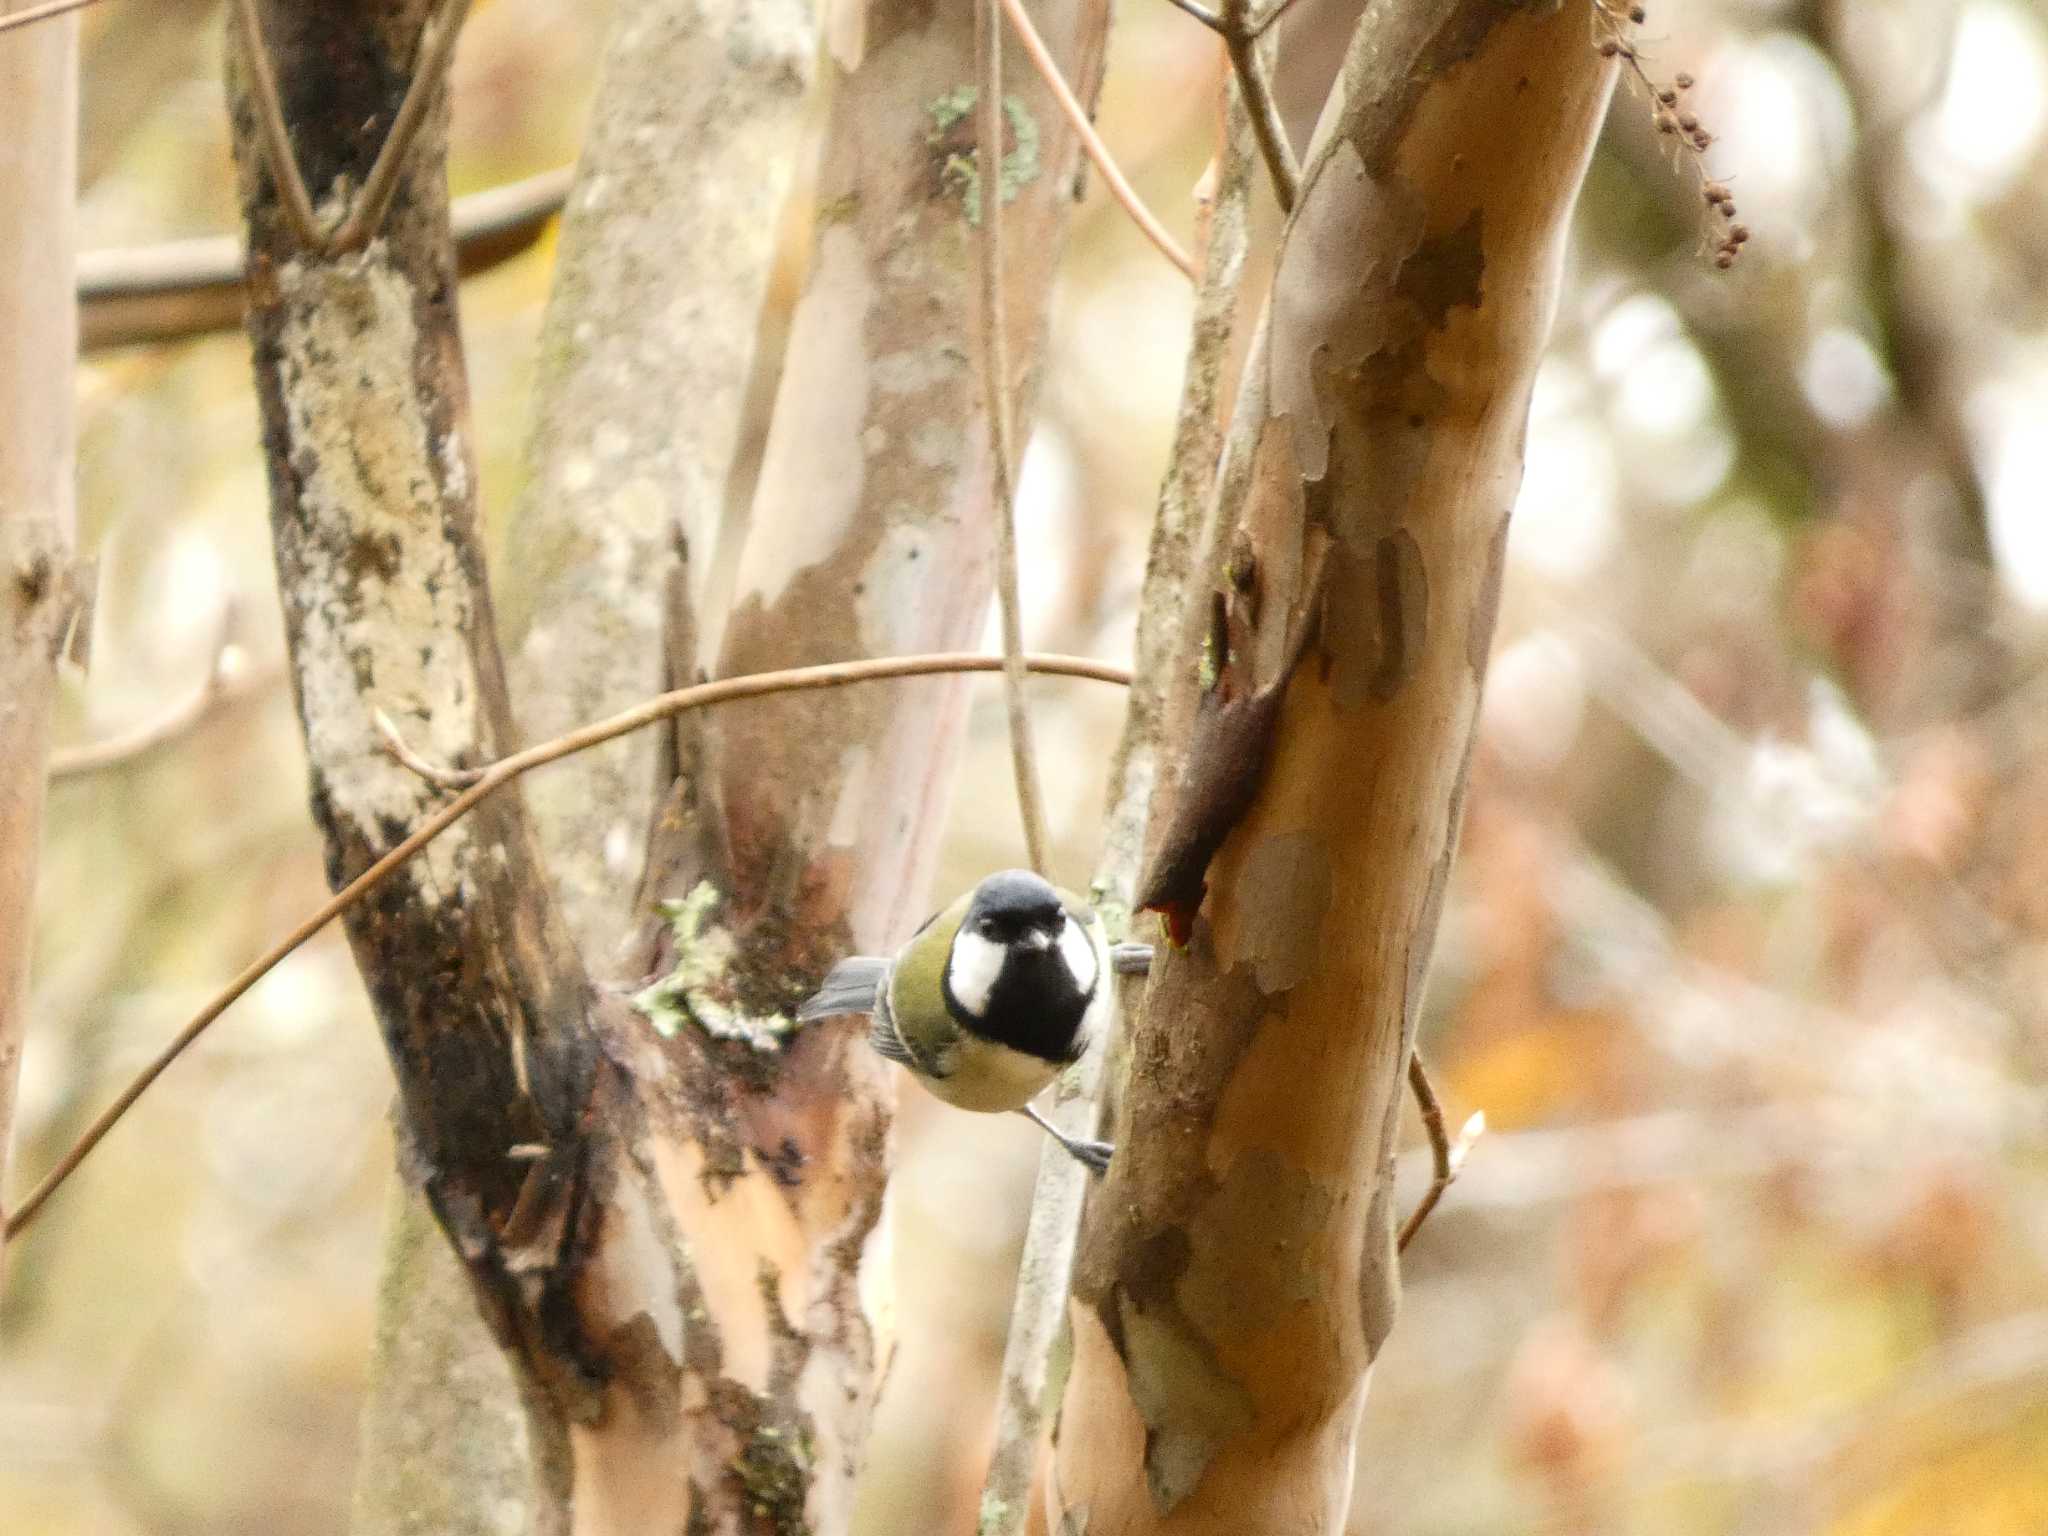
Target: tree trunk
(661,1210)
(1237,1271)
(666,246)
(38,594)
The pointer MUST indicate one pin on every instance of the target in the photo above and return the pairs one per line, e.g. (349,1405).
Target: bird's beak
(1036,938)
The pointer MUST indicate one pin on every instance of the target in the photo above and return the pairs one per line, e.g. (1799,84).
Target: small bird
(990,1000)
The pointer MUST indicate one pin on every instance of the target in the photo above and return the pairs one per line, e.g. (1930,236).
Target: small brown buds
(1612,20)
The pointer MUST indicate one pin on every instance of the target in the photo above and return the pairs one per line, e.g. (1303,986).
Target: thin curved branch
(1241,38)
(177,289)
(366,210)
(276,139)
(496,777)
(1112,174)
(1241,33)
(46,12)
(995,375)
(373,202)
(1446,1156)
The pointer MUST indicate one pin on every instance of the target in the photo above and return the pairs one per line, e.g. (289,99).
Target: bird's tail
(850,987)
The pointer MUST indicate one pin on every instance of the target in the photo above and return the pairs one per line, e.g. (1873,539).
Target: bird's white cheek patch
(1079,955)
(976,965)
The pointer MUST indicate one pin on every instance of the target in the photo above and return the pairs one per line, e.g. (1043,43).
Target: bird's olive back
(917,998)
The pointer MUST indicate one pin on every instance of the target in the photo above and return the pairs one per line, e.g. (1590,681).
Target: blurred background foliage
(1747,952)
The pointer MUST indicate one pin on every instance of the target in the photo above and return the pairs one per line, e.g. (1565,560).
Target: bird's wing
(852,986)
(889,1045)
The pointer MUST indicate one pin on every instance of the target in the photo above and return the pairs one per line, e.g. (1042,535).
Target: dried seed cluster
(1613,24)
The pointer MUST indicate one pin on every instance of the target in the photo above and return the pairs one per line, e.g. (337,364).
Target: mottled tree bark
(1237,1271)
(667,242)
(477,986)
(661,1211)
(38,595)
(666,248)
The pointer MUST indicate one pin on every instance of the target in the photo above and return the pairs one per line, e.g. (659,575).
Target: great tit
(990,1000)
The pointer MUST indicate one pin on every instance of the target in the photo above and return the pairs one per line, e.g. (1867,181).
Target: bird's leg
(1131,959)
(1092,1155)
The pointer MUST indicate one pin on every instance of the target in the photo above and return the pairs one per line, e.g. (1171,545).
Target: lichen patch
(375,566)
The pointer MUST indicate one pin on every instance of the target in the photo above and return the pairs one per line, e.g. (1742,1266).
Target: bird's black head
(1022,971)
(1011,904)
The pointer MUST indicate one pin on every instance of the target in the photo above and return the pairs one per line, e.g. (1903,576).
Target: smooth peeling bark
(871,532)
(666,249)
(1237,1272)
(666,246)
(38,596)
(802,829)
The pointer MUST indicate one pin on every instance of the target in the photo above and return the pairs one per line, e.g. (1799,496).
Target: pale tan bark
(661,1212)
(665,255)
(810,825)
(665,251)
(38,351)
(1237,1270)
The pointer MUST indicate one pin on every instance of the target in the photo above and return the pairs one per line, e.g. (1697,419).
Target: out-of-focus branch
(687,164)
(227,681)
(122,748)
(179,289)
(1046,1268)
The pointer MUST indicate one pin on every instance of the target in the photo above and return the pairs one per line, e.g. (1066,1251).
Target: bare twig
(36,13)
(1271,19)
(178,289)
(366,210)
(1045,1271)
(1201,13)
(1241,32)
(1241,39)
(496,777)
(436,48)
(403,754)
(276,139)
(1112,175)
(1446,1155)
(995,368)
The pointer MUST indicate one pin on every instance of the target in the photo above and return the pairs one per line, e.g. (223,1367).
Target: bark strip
(38,595)
(1024,1400)
(1237,1274)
